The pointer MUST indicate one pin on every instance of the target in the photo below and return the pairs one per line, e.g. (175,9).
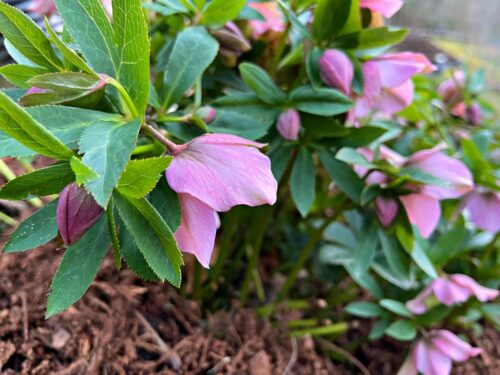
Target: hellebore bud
(337,70)
(232,43)
(77,211)
(207,114)
(474,114)
(289,125)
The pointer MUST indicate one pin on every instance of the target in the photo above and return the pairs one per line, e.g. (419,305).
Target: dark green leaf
(367,39)
(19,75)
(312,67)
(365,252)
(78,268)
(351,156)
(364,309)
(261,84)
(303,181)
(402,330)
(322,101)
(396,307)
(448,245)
(420,255)
(280,157)
(37,230)
(360,137)
(330,17)
(165,201)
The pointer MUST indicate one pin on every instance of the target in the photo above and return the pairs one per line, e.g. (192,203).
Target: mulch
(124,325)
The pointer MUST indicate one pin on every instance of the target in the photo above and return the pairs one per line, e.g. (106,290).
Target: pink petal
(274,19)
(418,304)
(450,293)
(453,347)
(289,125)
(396,99)
(371,89)
(484,211)
(196,234)
(223,171)
(392,156)
(388,8)
(450,170)
(386,210)
(449,90)
(431,361)
(423,211)
(482,293)
(337,70)
(409,366)
(397,68)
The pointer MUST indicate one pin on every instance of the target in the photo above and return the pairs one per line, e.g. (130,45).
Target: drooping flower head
(289,125)
(434,355)
(422,204)
(77,211)
(484,209)
(337,70)
(273,19)
(387,82)
(211,174)
(387,8)
(450,290)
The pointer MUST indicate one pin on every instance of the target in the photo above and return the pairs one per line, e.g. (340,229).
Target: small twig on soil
(24,304)
(219,366)
(337,349)
(293,358)
(175,360)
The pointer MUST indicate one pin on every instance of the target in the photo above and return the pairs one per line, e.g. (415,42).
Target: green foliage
(303,181)
(141,176)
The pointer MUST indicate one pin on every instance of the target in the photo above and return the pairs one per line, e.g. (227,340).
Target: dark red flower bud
(77,211)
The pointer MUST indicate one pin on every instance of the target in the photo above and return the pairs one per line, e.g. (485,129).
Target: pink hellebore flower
(289,125)
(387,82)
(451,290)
(422,205)
(451,89)
(337,70)
(484,209)
(434,355)
(48,7)
(211,174)
(387,8)
(77,211)
(274,19)
(471,114)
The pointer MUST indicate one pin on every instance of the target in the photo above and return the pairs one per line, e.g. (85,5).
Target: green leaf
(322,101)
(193,52)
(42,182)
(67,81)
(364,309)
(107,150)
(379,328)
(87,23)
(141,176)
(261,84)
(303,181)
(246,122)
(402,330)
(37,230)
(368,39)
(294,20)
(418,175)
(354,20)
(396,307)
(365,252)
(19,75)
(448,245)
(312,67)
(351,156)
(153,237)
(67,52)
(395,256)
(78,268)
(360,137)
(27,37)
(330,17)
(219,12)
(166,202)
(18,124)
(131,36)
(419,255)
(83,174)
(344,177)
(280,157)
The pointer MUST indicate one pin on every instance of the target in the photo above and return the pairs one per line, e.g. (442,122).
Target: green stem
(7,219)
(130,106)
(165,118)
(171,146)
(144,149)
(198,96)
(114,235)
(332,329)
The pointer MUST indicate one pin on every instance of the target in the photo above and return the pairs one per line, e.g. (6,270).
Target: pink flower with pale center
(274,19)
(422,205)
(434,355)
(450,290)
(387,82)
(211,174)
(387,8)
(484,209)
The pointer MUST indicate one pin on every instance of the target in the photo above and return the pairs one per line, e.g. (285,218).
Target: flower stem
(171,146)
(7,219)
(114,235)
(130,106)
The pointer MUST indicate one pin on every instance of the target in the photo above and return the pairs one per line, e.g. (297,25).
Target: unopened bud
(207,114)
(232,43)
(474,115)
(289,125)
(77,211)
(337,70)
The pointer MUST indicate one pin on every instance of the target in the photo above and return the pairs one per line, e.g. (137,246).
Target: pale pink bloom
(289,125)
(422,205)
(76,212)
(484,209)
(337,70)
(451,89)
(434,355)
(471,114)
(387,8)
(274,19)
(211,174)
(387,82)
(450,290)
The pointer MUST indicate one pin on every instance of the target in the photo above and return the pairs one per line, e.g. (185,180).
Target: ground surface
(125,326)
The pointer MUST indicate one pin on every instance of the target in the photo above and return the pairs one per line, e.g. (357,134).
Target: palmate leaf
(120,50)
(18,124)
(78,268)
(107,149)
(27,37)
